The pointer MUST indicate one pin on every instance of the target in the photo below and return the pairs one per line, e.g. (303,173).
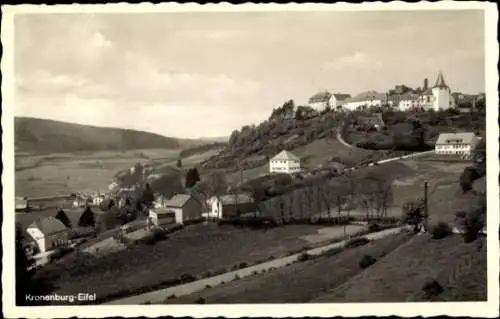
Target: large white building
(48,233)
(325,99)
(284,162)
(365,100)
(437,98)
(462,144)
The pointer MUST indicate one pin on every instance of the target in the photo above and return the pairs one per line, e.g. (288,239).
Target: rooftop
(48,226)
(454,138)
(178,200)
(285,156)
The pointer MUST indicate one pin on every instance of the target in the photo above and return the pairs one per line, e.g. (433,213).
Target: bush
(236,277)
(374,226)
(172,296)
(332,252)
(200,300)
(472,224)
(243,265)
(441,230)
(469,175)
(366,261)
(185,278)
(432,288)
(356,242)
(303,257)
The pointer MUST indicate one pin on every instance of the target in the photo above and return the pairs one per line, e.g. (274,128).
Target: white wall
(442,99)
(39,238)
(465,149)
(284,166)
(319,106)
(351,106)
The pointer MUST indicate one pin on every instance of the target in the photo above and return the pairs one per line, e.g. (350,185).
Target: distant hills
(34,135)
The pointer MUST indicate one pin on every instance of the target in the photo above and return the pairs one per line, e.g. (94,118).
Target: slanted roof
(285,156)
(408,97)
(368,96)
(320,97)
(440,83)
(341,96)
(48,226)
(455,138)
(231,199)
(178,200)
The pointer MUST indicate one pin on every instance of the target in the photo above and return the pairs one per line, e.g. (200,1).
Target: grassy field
(299,282)
(78,172)
(401,275)
(195,250)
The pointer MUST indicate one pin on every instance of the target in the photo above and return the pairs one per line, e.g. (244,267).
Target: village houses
(186,207)
(231,205)
(323,100)
(365,100)
(48,233)
(284,162)
(462,144)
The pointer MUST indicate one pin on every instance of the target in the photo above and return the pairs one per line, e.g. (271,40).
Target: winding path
(159,296)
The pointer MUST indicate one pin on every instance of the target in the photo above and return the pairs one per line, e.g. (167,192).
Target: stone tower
(442,98)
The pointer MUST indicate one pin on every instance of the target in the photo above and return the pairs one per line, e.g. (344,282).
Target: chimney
(426,84)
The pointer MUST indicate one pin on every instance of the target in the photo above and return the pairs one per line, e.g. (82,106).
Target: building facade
(232,205)
(186,208)
(162,216)
(48,234)
(364,100)
(461,144)
(284,162)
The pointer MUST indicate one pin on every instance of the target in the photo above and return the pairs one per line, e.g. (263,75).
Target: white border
(473,309)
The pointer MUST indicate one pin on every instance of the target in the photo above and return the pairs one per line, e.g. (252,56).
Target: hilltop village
(360,164)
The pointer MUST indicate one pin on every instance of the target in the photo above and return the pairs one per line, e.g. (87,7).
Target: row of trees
(331,199)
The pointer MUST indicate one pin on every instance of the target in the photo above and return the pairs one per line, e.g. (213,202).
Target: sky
(204,74)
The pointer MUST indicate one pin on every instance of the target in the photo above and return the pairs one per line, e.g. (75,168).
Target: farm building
(22,204)
(461,144)
(325,99)
(284,162)
(48,234)
(365,100)
(186,207)
(231,205)
(161,216)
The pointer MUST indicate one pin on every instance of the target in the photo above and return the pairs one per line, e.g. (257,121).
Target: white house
(186,207)
(48,234)
(284,162)
(21,204)
(338,100)
(442,98)
(322,100)
(231,205)
(161,216)
(366,99)
(456,144)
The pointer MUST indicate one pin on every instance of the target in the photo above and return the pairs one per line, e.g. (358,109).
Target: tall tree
(192,177)
(87,219)
(63,218)
(179,163)
(147,196)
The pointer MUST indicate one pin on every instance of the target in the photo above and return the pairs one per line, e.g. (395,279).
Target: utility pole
(426,207)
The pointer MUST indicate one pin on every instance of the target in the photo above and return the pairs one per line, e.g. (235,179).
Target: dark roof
(320,97)
(340,96)
(178,200)
(440,83)
(48,226)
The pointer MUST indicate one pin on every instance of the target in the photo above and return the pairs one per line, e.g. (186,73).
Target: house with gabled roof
(48,233)
(366,99)
(462,144)
(324,99)
(284,162)
(187,208)
(232,205)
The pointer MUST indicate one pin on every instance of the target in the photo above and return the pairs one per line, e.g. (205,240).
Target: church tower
(442,98)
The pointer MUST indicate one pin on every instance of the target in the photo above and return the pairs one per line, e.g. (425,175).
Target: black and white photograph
(236,157)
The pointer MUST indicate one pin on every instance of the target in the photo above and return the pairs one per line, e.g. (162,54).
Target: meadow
(401,275)
(298,283)
(196,251)
(58,174)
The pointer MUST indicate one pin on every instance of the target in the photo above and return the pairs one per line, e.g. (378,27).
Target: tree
(63,218)
(87,219)
(413,214)
(179,163)
(192,177)
(212,185)
(147,196)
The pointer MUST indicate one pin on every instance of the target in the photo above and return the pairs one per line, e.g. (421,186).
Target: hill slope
(47,136)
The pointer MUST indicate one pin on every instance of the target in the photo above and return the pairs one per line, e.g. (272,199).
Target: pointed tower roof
(440,83)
